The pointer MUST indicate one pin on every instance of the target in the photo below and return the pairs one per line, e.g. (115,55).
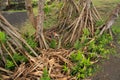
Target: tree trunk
(30,13)
(39,29)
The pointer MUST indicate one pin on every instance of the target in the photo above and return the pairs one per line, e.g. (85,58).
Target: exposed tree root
(14,42)
(73,30)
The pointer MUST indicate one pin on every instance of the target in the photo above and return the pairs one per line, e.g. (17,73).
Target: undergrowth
(87,54)
(83,67)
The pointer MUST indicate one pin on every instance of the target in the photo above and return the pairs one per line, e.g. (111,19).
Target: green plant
(85,35)
(77,45)
(47,9)
(45,75)
(75,57)
(34,3)
(99,46)
(99,23)
(102,43)
(53,44)
(31,41)
(83,66)
(65,68)
(2,37)
(18,58)
(83,40)
(9,64)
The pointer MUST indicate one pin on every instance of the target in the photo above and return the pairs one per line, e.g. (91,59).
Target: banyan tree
(76,18)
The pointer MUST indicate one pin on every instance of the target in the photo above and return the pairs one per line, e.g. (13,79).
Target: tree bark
(40,23)
(30,13)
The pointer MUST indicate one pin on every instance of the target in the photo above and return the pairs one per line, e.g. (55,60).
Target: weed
(45,75)
(34,3)
(53,44)
(31,42)
(9,64)
(77,45)
(83,66)
(18,58)
(2,37)
(99,23)
(47,9)
(99,46)
(65,68)
(83,40)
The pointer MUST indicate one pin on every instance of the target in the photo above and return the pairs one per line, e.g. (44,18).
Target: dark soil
(110,69)
(16,18)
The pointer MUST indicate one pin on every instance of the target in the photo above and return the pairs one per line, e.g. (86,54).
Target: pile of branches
(52,60)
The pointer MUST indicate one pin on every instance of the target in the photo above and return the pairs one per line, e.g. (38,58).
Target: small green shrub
(75,57)
(99,23)
(80,43)
(83,66)
(18,58)
(65,68)
(31,42)
(45,75)
(53,44)
(2,37)
(9,64)
(99,46)
(34,3)
(77,45)
(47,9)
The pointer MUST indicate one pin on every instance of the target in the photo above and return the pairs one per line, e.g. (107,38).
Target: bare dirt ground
(16,18)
